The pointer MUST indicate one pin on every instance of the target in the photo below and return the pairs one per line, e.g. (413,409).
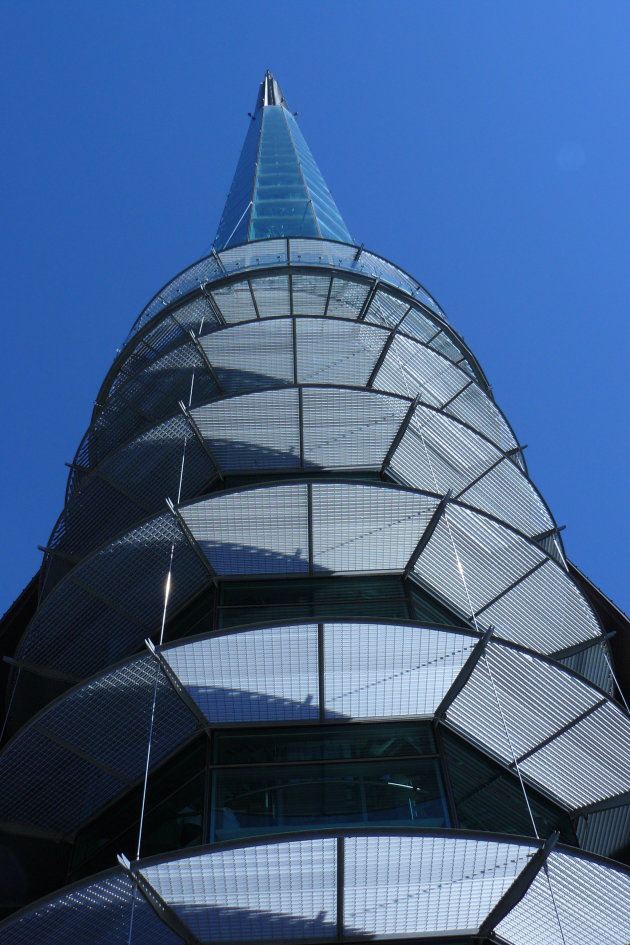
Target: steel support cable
(484,656)
(167,591)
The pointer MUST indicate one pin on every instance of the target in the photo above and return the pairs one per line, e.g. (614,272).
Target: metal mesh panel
(384,671)
(278,892)
(259,531)
(489,558)
(477,410)
(546,612)
(272,295)
(97,747)
(310,292)
(130,483)
(254,432)
(79,784)
(366,528)
(605,832)
(257,354)
(97,912)
(113,600)
(437,884)
(560,699)
(253,255)
(386,309)
(589,904)
(590,760)
(418,325)
(346,298)
(255,676)
(411,369)
(345,428)
(234,301)
(446,346)
(336,352)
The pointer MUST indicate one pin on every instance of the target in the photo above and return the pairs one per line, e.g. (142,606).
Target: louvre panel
(514,676)
(386,310)
(43,782)
(336,352)
(98,911)
(309,293)
(272,296)
(446,346)
(477,410)
(347,298)
(258,531)
(505,493)
(418,325)
(254,676)
(255,432)
(605,832)
(438,884)
(366,528)
(384,671)
(589,761)
(589,904)
(235,302)
(113,600)
(593,664)
(258,354)
(490,557)
(344,428)
(413,370)
(447,454)
(276,892)
(545,612)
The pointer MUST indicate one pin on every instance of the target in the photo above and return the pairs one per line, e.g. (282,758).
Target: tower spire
(278,189)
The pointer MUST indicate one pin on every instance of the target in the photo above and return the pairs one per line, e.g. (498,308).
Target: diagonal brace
(464,675)
(513,895)
(428,532)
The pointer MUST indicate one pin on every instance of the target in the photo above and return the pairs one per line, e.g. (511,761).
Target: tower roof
(277,189)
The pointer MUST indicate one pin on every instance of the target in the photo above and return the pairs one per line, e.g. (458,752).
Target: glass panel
(330,743)
(489,798)
(427,610)
(243,603)
(234,222)
(282,206)
(258,800)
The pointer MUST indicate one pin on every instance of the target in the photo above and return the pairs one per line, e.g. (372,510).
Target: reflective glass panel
(282,206)
(267,601)
(489,798)
(275,799)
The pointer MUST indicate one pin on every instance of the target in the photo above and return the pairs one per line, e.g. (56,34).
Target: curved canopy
(479,567)
(329,672)
(333,886)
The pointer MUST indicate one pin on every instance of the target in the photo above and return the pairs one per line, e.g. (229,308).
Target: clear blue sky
(485,147)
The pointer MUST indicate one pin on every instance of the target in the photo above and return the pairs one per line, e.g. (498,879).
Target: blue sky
(483,146)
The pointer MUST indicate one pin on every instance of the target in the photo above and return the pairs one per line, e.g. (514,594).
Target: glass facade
(246,783)
(278,189)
